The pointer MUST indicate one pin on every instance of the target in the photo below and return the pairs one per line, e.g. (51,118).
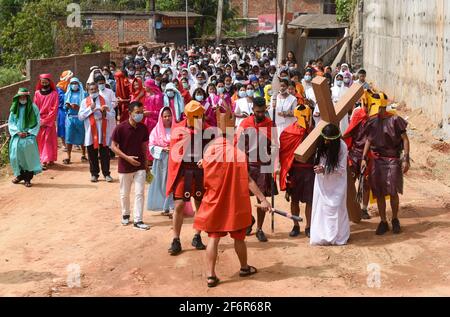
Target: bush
(10,76)
(4,149)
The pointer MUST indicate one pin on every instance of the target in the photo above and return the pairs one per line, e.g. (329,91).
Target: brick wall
(6,95)
(260,7)
(78,64)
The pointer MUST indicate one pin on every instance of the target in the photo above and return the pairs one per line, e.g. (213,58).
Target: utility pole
(187,26)
(281,46)
(219,22)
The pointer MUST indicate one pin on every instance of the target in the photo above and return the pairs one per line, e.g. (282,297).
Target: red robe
(359,116)
(290,140)
(226,204)
(180,138)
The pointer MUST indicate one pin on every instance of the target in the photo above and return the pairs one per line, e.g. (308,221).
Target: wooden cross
(332,114)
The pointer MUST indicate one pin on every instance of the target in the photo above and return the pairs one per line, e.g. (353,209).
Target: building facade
(114,27)
(258,13)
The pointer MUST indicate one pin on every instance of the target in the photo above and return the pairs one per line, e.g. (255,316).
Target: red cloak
(226,204)
(290,140)
(179,139)
(359,116)
(265,126)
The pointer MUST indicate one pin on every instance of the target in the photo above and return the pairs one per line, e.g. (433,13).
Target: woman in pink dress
(153,103)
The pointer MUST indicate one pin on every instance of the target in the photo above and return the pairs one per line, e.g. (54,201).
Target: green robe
(23,152)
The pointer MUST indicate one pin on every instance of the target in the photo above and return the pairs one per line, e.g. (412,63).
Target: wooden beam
(342,40)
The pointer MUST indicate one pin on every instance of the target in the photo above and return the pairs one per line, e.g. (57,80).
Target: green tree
(344,9)
(8,9)
(29,34)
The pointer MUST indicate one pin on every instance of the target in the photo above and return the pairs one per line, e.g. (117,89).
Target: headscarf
(64,80)
(135,92)
(29,118)
(266,94)
(91,75)
(45,76)
(158,135)
(178,101)
(150,83)
(68,95)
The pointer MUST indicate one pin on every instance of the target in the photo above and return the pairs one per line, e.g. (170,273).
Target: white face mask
(23,102)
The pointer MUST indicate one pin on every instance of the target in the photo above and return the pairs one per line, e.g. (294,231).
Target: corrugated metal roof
(316,21)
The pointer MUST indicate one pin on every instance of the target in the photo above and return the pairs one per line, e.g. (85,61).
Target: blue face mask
(242,94)
(138,117)
(220,90)
(199,98)
(308,78)
(171,94)
(250,93)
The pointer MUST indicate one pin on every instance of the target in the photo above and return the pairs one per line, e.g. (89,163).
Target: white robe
(336,94)
(283,105)
(330,223)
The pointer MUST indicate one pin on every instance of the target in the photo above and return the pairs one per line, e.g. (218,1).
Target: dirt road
(64,223)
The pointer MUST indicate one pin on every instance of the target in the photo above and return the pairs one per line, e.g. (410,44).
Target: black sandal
(66,161)
(250,270)
(84,159)
(28,184)
(16,180)
(215,281)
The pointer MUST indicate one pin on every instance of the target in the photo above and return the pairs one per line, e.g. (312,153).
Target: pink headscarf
(150,83)
(158,136)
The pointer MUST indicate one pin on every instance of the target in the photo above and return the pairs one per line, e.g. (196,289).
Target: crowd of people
(149,112)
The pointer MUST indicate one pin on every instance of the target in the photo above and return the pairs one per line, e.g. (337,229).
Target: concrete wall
(78,64)
(406,53)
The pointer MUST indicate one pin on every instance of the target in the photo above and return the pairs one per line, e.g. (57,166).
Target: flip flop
(16,180)
(214,281)
(248,271)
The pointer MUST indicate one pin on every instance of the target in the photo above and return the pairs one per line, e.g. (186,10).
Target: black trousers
(25,176)
(93,160)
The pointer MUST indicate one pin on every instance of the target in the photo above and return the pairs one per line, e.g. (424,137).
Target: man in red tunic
(185,176)
(255,134)
(355,137)
(297,178)
(226,205)
(386,140)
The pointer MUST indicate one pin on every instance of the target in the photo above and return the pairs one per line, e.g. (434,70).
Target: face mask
(75,87)
(94,95)
(242,94)
(101,87)
(46,86)
(138,117)
(23,102)
(201,82)
(283,91)
(308,78)
(185,85)
(346,80)
(220,90)
(171,94)
(148,77)
(250,92)
(170,77)
(199,98)
(228,86)
(270,92)
(339,83)
(106,74)
(214,82)
(212,95)
(156,72)
(157,82)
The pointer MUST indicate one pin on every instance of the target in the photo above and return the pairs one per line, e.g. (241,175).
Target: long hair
(331,150)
